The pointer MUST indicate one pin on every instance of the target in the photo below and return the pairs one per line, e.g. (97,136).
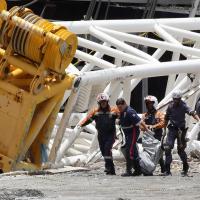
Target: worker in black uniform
(175,116)
(105,118)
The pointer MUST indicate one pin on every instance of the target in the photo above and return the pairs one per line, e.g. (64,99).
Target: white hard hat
(152,99)
(102,97)
(177,94)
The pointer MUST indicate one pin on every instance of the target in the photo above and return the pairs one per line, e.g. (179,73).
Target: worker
(175,116)
(105,118)
(154,120)
(197,108)
(129,122)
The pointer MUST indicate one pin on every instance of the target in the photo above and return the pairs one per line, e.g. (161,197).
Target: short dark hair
(120,101)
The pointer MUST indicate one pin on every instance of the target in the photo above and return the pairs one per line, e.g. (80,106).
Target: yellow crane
(34,54)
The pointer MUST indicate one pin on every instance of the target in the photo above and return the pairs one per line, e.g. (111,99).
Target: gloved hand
(79,127)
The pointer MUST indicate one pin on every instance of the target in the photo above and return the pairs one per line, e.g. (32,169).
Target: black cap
(120,101)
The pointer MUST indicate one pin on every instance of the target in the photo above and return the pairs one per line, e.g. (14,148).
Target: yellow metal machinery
(34,54)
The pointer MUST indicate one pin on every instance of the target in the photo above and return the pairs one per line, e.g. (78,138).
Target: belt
(126,127)
(175,127)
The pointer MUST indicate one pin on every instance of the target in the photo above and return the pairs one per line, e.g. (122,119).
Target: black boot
(185,169)
(111,171)
(127,173)
(106,165)
(162,166)
(137,168)
(109,167)
(128,169)
(167,172)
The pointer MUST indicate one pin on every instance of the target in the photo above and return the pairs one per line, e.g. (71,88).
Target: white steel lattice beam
(122,40)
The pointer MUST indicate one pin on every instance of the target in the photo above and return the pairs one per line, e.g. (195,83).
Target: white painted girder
(141,71)
(130,25)
(119,78)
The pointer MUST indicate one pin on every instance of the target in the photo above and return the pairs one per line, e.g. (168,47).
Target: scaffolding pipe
(67,144)
(111,52)
(96,61)
(172,78)
(165,35)
(141,71)
(152,43)
(89,66)
(194,9)
(193,133)
(63,125)
(158,53)
(184,33)
(127,90)
(111,87)
(120,45)
(130,25)
(182,85)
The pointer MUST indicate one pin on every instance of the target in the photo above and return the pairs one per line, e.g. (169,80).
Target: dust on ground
(95,185)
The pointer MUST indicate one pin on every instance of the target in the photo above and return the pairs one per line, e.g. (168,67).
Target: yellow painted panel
(3,5)
(9,104)
(7,129)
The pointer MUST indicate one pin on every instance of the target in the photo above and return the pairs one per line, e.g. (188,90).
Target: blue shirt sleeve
(188,110)
(133,116)
(198,108)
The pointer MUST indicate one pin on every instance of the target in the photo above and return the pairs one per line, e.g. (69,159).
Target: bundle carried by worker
(150,154)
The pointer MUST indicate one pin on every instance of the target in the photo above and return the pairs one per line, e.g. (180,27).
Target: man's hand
(78,126)
(150,127)
(144,126)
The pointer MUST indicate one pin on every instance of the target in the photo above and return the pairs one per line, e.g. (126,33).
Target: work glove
(78,128)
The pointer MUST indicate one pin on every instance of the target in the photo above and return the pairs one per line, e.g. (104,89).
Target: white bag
(151,153)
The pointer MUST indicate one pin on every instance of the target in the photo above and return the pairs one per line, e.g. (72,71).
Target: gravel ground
(95,185)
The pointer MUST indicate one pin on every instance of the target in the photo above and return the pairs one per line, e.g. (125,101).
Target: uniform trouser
(105,145)
(131,151)
(161,160)
(172,135)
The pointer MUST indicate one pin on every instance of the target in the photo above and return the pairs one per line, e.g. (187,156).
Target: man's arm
(143,126)
(195,116)
(198,108)
(89,118)
(115,112)
(161,118)
(193,113)
(143,118)
(167,117)
(136,120)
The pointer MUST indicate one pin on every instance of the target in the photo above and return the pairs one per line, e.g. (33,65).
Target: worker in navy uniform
(129,122)
(105,118)
(197,108)
(175,122)
(154,120)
